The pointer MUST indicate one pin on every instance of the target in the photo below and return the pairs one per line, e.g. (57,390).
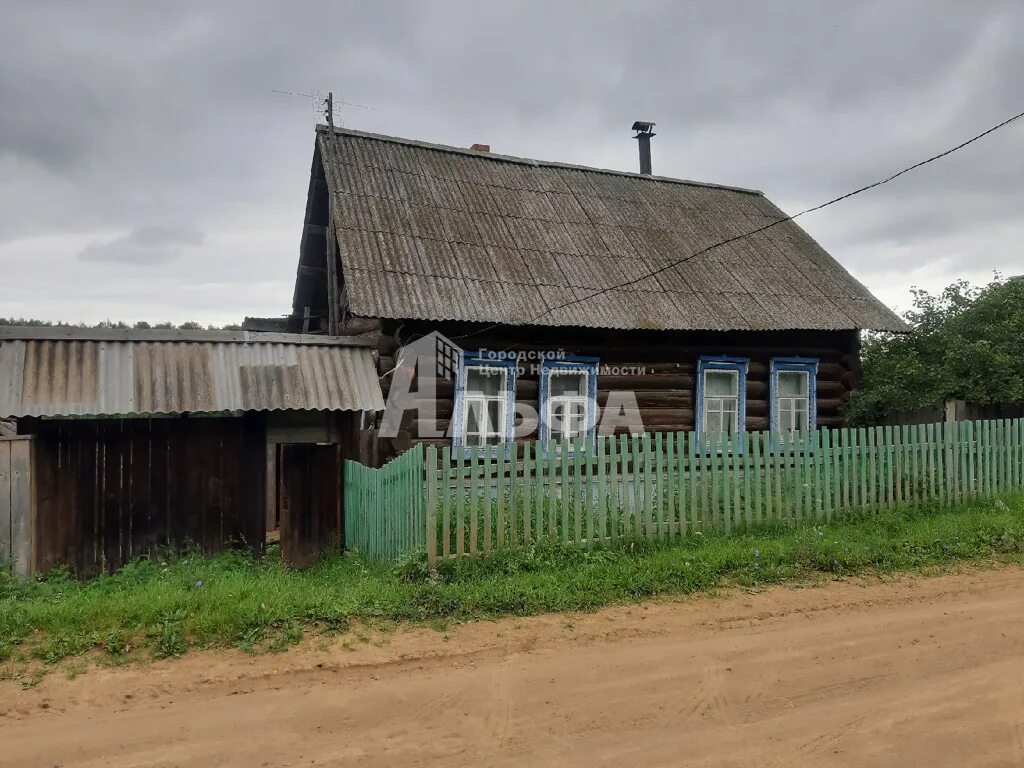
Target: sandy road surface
(916,672)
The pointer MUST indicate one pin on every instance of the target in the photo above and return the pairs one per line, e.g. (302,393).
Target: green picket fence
(665,485)
(384,508)
(669,485)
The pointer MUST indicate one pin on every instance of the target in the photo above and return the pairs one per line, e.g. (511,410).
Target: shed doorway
(305,509)
(309,502)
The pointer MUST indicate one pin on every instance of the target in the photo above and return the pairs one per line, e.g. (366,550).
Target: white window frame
(567,400)
(785,365)
(588,368)
(721,399)
(471,399)
(737,368)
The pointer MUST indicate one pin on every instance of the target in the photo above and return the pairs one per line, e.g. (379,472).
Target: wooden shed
(704,302)
(144,440)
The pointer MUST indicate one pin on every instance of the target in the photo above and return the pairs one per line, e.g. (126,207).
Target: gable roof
(426,231)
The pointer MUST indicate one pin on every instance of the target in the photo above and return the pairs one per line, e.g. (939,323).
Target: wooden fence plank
(740,454)
(986,435)
(6,553)
(533,492)
(494,480)
(769,475)
(564,447)
(614,481)
(460,502)
(629,458)
(963,437)
(778,455)
(549,474)
(757,474)
(477,491)
(646,457)
(1018,459)
(577,489)
(446,502)
(827,474)
(698,515)
(680,483)
(431,500)
(590,507)
(670,479)
(23,511)
(616,448)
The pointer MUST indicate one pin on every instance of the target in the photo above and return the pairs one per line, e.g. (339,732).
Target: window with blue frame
(484,401)
(721,395)
(791,392)
(568,398)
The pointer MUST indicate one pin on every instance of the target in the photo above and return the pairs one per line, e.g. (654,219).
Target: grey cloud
(115,114)
(145,246)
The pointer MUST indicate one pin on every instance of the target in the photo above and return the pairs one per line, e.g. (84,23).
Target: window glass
(792,402)
(717,383)
(567,383)
(568,404)
(792,384)
(721,402)
(485,381)
(485,401)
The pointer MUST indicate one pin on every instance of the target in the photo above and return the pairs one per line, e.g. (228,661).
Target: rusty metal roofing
(88,377)
(439,233)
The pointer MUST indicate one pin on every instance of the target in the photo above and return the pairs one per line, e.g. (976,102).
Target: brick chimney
(481,148)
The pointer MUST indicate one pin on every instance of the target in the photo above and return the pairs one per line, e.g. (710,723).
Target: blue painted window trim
(808,365)
(567,363)
(475,359)
(722,363)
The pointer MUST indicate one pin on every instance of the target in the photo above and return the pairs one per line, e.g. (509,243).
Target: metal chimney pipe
(644,134)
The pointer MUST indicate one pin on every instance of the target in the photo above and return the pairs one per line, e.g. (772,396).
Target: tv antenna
(324,103)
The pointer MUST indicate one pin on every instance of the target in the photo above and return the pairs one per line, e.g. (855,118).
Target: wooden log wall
(665,389)
(112,490)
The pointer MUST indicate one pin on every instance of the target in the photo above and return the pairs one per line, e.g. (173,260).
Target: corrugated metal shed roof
(88,377)
(440,233)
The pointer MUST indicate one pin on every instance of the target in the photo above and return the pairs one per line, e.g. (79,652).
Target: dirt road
(916,672)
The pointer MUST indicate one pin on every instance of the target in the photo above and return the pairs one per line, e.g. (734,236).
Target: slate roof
(432,232)
(98,372)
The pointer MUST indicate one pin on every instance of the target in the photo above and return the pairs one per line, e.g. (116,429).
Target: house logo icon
(446,354)
(420,365)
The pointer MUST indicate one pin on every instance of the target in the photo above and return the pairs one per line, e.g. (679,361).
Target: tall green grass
(164,608)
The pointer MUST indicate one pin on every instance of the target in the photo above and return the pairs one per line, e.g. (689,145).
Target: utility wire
(733,239)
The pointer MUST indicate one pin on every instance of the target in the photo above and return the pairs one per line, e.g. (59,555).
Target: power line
(783,220)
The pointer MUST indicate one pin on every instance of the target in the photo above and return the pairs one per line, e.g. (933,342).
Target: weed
(155,606)
(169,636)
(74,669)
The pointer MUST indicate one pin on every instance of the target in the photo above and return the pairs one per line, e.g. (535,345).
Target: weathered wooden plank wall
(111,490)
(17,505)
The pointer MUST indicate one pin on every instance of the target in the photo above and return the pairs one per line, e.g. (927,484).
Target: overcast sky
(149,171)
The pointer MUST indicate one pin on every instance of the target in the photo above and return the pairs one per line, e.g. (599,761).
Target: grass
(159,609)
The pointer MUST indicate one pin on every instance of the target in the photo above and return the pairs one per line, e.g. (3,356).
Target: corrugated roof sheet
(72,377)
(439,233)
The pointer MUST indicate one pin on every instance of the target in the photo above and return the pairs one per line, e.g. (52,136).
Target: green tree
(967,343)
